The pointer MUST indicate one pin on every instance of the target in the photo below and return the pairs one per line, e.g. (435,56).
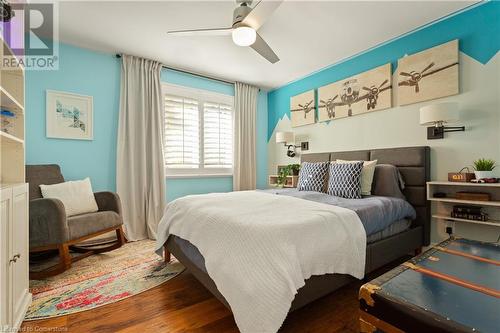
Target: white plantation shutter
(218,135)
(182,132)
(198,132)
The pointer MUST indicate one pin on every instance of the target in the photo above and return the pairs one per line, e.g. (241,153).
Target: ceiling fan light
(244,36)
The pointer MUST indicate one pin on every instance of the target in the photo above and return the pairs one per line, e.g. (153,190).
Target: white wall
(479,102)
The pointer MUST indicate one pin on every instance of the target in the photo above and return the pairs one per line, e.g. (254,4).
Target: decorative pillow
(77,196)
(312,176)
(388,182)
(345,180)
(366,175)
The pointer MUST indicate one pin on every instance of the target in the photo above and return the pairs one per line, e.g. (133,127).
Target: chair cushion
(76,195)
(91,223)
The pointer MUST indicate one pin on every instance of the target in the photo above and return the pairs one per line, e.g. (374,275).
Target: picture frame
(365,92)
(303,109)
(430,74)
(69,116)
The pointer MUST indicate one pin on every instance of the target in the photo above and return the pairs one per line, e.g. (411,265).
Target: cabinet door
(5,218)
(20,269)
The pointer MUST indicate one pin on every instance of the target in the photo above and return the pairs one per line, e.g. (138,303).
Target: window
(198,132)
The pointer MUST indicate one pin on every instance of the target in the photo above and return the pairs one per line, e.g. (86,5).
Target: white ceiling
(306,35)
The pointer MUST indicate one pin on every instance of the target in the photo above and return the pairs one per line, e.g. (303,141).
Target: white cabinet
(14,229)
(14,273)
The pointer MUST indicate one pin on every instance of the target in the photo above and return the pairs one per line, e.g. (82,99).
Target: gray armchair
(50,228)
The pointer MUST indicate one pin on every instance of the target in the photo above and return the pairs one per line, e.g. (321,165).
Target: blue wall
(97,74)
(82,72)
(477,28)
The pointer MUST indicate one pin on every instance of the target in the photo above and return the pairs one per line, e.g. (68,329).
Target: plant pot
(483,174)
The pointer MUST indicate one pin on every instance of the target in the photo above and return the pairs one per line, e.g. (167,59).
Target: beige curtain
(140,173)
(245,109)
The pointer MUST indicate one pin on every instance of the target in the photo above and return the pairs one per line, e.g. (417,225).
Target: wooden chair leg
(120,236)
(65,259)
(64,256)
(167,254)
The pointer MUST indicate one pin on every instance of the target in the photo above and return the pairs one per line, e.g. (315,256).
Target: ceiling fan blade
(405,74)
(202,32)
(261,47)
(366,88)
(260,13)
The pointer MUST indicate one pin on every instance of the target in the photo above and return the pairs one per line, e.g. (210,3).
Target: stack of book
(469,212)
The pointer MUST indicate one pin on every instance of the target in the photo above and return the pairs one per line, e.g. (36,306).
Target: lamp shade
(284,137)
(439,113)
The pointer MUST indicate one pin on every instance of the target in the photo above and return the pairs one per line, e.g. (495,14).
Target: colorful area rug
(101,279)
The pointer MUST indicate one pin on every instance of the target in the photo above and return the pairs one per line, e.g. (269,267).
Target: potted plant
(294,169)
(484,168)
(290,169)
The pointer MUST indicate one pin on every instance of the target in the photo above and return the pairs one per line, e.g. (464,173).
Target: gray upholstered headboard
(412,162)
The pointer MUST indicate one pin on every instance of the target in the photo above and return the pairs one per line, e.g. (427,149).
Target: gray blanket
(375,212)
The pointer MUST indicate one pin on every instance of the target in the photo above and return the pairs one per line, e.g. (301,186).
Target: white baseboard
(19,317)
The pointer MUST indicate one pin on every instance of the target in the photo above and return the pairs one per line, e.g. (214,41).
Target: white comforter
(259,248)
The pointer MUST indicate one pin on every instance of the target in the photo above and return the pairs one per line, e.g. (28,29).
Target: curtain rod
(191,73)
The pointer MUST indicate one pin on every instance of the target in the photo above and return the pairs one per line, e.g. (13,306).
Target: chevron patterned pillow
(312,176)
(345,180)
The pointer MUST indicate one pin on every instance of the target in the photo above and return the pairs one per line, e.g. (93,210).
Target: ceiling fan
(246,22)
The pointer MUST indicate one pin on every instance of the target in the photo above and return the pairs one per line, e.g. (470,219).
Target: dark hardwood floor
(184,305)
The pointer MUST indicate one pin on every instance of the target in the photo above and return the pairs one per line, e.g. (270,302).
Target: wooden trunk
(453,287)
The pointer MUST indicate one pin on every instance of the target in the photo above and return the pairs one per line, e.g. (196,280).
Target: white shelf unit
(290,181)
(456,219)
(12,136)
(8,101)
(10,139)
(444,205)
(14,226)
(493,203)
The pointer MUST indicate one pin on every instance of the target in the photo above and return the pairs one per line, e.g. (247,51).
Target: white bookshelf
(15,297)
(463,184)
(12,148)
(492,203)
(456,219)
(444,206)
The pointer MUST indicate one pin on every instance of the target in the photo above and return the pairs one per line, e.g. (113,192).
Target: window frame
(202,96)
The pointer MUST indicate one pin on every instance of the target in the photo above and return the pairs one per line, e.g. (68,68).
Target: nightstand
(291,181)
(446,203)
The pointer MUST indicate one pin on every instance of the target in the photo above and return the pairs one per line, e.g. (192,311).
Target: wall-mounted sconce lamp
(438,115)
(288,137)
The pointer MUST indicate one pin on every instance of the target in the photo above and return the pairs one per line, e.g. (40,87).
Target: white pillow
(366,175)
(77,196)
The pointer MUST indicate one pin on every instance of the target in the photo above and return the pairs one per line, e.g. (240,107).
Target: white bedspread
(259,248)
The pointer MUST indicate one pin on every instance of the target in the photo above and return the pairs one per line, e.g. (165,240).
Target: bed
(405,237)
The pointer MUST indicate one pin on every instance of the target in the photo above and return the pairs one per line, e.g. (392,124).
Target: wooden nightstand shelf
(445,204)
(291,181)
